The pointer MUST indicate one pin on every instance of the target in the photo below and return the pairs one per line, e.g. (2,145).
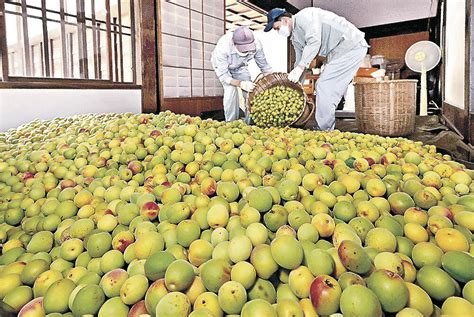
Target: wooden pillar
(3,44)
(149,60)
(470,67)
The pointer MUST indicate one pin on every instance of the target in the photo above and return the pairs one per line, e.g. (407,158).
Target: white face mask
(284,30)
(242,54)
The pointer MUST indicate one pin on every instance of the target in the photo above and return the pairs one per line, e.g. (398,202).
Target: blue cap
(272,16)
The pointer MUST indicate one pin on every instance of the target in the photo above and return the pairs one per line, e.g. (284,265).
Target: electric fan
(422,57)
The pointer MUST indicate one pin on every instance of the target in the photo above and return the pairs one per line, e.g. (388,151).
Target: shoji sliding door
(187,33)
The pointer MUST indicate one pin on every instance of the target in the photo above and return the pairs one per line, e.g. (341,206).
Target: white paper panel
(184,82)
(196,5)
(175,51)
(197,57)
(182,54)
(184,3)
(212,85)
(170,82)
(208,48)
(208,83)
(213,29)
(198,83)
(214,8)
(175,19)
(196,25)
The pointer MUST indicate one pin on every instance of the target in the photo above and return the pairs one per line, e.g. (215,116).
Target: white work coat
(228,64)
(324,33)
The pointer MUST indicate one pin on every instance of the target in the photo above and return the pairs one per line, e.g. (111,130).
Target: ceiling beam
(267,5)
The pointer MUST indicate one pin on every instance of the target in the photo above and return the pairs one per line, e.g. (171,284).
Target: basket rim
(299,84)
(387,82)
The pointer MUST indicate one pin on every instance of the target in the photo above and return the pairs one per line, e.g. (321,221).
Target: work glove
(295,74)
(247,86)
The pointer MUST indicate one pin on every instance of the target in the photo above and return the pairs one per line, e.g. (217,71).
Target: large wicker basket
(263,83)
(386,108)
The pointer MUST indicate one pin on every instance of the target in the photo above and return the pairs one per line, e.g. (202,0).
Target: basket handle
(259,76)
(311,113)
(282,77)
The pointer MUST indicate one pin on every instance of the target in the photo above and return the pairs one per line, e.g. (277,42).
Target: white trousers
(231,97)
(332,85)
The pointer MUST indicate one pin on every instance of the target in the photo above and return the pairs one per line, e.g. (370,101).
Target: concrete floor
(429,130)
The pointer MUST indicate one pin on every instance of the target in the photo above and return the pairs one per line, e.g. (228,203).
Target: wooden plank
(109,39)
(458,118)
(291,56)
(202,39)
(45,39)
(468,69)
(84,41)
(385,45)
(33,60)
(191,51)
(51,46)
(471,129)
(148,25)
(71,54)
(3,42)
(94,40)
(79,39)
(119,13)
(42,59)
(193,106)
(63,39)
(159,39)
(134,41)
(116,77)
(85,62)
(63,83)
(99,53)
(26,42)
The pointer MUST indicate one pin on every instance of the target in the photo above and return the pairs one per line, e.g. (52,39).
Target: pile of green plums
(166,215)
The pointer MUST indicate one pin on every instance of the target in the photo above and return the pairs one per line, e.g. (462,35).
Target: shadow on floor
(429,130)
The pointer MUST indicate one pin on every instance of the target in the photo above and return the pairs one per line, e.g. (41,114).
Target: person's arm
(221,65)
(298,54)
(261,60)
(221,68)
(312,27)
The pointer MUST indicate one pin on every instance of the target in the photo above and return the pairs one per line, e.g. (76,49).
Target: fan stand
(423,93)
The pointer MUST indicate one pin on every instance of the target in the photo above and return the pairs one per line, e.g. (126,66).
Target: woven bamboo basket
(263,83)
(386,108)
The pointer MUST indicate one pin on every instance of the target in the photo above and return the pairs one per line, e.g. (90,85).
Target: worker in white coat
(319,32)
(229,59)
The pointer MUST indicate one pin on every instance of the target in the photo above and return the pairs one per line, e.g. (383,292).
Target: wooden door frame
(460,120)
(150,57)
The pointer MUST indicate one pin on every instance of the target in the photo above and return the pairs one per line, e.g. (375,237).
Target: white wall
(375,12)
(19,106)
(455,53)
(275,48)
